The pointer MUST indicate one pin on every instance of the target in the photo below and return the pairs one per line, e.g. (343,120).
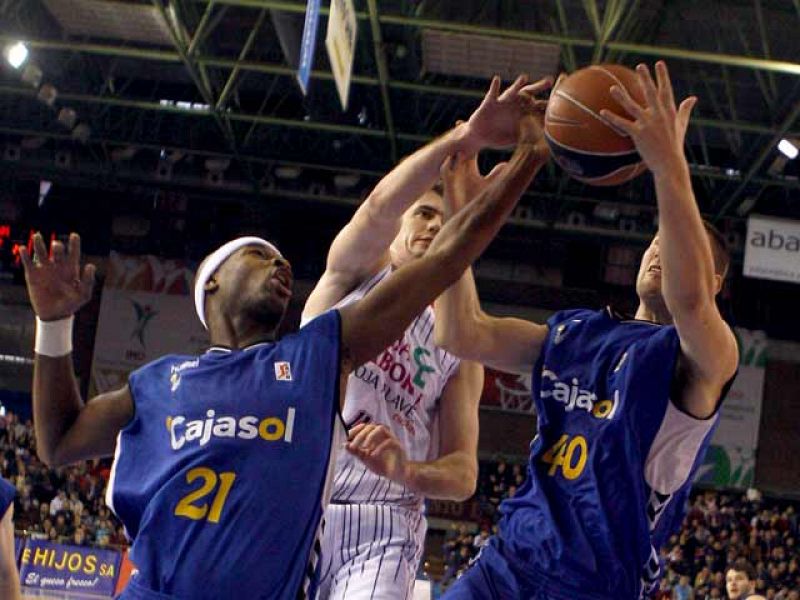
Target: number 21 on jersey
(567,454)
(194,505)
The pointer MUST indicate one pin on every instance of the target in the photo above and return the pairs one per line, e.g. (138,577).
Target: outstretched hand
(658,127)
(495,123)
(379,450)
(463,181)
(56,284)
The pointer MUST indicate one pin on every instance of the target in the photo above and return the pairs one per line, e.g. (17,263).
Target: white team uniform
(375,528)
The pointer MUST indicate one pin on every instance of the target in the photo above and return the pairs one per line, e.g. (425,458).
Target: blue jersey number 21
(191,506)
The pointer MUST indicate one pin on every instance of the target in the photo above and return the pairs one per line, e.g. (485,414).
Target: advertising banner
(772,250)
(146,311)
(340,42)
(730,461)
(308,44)
(87,571)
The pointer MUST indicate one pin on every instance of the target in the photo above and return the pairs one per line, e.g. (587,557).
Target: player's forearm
(456,314)
(686,259)
(450,477)
(56,404)
(464,237)
(415,175)
(368,326)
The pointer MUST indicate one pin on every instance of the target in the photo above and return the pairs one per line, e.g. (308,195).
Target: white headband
(214,261)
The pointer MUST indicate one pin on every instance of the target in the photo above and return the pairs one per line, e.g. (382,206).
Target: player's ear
(718,282)
(211,285)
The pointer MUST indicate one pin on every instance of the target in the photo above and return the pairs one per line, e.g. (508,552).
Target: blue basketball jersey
(222,476)
(612,463)
(7,494)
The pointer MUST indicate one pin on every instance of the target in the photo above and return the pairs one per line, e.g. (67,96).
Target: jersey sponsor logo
(283,371)
(572,396)
(250,427)
(176,370)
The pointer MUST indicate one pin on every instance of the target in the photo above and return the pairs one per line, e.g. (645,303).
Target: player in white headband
(213,261)
(223,461)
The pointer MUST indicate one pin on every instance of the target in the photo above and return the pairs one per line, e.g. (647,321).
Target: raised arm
(461,326)
(689,280)
(382,315)
(361,248)
(67,430)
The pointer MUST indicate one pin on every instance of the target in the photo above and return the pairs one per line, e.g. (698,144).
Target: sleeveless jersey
(7,494)
(613,461)
(400,389)
(222,476)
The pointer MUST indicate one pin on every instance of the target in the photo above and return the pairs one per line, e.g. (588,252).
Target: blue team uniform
(587,523)
(7,494)
(222,475)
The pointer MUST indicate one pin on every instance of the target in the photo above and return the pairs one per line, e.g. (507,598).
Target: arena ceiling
(202,93)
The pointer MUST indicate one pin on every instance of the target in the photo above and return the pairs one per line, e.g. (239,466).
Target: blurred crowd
(719,529)
(65,505)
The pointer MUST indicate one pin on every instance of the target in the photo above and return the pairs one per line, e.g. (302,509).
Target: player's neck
(242,335)
(653,314)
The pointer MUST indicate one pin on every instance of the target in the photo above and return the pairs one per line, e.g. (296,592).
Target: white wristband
(54,338)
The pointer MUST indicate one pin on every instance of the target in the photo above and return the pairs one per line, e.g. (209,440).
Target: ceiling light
(16,54)
(789,148)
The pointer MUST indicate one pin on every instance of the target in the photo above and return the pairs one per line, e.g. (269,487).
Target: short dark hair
(741,565)
(719,248)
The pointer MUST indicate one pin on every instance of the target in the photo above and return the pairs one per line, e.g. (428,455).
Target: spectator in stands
(720,529)
(683,591)
(740,581)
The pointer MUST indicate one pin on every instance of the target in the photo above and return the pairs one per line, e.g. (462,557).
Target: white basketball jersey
(400,388)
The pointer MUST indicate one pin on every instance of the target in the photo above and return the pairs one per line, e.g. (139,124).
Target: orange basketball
(582,141)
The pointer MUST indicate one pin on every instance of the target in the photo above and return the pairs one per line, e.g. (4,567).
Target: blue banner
(89,571)
(19,544)
(309,44)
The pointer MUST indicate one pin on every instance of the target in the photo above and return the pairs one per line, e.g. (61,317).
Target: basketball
(586,145)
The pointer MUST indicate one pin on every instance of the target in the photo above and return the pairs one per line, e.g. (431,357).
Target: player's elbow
(47,459)
(50,457)
(465,479)
(468,483)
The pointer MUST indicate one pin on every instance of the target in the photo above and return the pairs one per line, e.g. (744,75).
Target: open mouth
(284,279)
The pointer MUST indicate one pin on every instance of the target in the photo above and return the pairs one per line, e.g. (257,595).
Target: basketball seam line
(563,121)
(610,74)
(588,152)
(607,175)
(597,116)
